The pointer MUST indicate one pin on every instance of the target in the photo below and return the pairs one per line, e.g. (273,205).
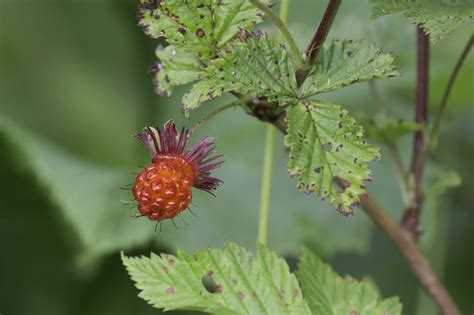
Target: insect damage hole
(210,285)
(340,184)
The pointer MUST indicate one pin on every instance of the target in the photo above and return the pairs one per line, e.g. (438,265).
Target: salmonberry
(164,188)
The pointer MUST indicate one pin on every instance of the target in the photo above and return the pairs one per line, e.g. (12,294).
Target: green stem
(283,14)
(266,185)
(278,21)
(270,135)
(239,102)
(444,101)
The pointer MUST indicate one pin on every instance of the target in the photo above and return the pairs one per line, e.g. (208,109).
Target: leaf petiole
(239,102)
(266,184)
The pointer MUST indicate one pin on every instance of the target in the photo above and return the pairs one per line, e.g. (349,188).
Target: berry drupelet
(164,188)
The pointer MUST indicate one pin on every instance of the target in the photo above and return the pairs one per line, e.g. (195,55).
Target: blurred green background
(73,88)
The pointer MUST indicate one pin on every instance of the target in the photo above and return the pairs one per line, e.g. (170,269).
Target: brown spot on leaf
(171,260)
(326,146)
(200,33)
(296,293)
(344,184)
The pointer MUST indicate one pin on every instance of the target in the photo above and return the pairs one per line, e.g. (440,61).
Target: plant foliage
(233,281)
(326,146)
(329,294)
(254,65)
(242,284)
(389,130)
(196,32)
(174,67)
(51,171)
(443,180)
(328,154)
(437,17)
(200,27)
(345,62)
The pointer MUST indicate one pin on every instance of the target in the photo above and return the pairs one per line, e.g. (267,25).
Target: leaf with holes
(329,294)
(175,66)
(328,154)
(241,283)
(255,65)
(201,27)
(437,17)
(342,63)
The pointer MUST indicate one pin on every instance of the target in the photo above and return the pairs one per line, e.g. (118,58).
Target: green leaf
(241,283)
(329,294)
(87,195)
(437,17)
(255,65)
(342,63)
(175,66)
(388,130)
(443,179)
(200,27)
(327,151)
(196,31)
(201,92)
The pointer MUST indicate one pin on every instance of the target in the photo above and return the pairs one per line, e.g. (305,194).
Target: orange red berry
(164,188)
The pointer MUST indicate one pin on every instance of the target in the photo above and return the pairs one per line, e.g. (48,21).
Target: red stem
(410,219)
(322,31)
